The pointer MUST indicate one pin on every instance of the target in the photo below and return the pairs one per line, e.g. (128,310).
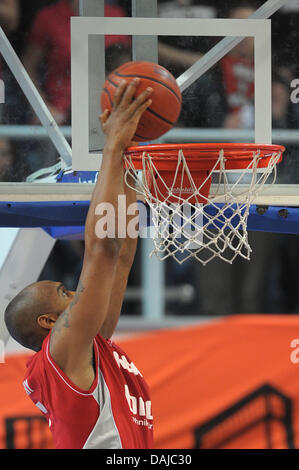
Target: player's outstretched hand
(121,123)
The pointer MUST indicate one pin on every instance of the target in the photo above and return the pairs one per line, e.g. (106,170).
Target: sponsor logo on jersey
(141,408)
(125,364)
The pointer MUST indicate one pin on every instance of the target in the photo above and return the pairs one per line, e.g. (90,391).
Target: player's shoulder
(107,345)
(111,346)
(106,342)
(35,363)
(33,378)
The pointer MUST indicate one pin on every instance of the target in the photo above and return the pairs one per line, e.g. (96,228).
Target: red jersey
(238,77)
(115,413)
(51,32)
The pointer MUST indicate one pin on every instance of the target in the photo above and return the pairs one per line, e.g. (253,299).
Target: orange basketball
(166,97)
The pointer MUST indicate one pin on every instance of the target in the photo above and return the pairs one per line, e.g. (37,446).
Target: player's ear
(47,320)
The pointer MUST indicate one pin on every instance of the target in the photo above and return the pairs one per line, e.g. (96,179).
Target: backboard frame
(83,27)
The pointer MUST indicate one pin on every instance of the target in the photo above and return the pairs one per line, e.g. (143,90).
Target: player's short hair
(20,318)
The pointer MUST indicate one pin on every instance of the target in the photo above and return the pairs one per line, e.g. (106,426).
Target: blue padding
(66,233)
(268,218)
(69,176)
(43,214)
(66,219)
(275,219)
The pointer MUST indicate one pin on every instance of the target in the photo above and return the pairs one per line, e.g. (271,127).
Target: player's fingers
(119,93)
(129,93)
(140,100)
(140,110)
(104,116)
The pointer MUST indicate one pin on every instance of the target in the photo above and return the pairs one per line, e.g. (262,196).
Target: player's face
(53,299)
(64,296)
(57,296)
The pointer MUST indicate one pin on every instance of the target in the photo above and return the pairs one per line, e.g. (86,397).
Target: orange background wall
(227,384)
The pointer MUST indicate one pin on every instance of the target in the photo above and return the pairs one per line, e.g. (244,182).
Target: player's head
(242,11)
(33,312)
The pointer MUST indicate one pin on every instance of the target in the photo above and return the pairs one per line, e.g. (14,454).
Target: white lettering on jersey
(138,406)
(123,362)
(143,422)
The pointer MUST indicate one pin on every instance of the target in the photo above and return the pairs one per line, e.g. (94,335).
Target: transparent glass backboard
(242,91)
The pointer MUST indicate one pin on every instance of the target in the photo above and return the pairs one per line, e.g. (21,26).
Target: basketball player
(91,393)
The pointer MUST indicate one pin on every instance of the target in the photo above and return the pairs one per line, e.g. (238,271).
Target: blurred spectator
(285,44)
(6,159)
(237,71)
(11,169)
(48,50)
(179,53)
(241,113)
(285,116)
(16,106)
(9,15)
(281,102)
(204,104)
(47,59)
(223,97)
(9,21)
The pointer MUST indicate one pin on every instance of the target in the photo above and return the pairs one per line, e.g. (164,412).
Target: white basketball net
(215,228)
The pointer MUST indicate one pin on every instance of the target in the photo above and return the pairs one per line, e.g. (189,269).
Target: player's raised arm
(73,333)
(124,264)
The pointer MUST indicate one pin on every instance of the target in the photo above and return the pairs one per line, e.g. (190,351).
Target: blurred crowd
(223,97)
(39,31)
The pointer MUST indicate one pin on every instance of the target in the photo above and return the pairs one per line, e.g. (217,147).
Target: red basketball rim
(203,156)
